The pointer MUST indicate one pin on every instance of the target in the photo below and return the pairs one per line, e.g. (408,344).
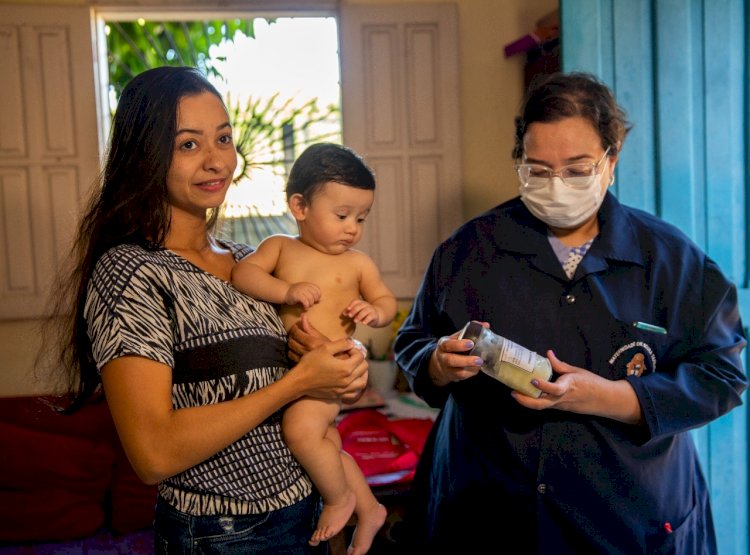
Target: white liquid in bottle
(506,361)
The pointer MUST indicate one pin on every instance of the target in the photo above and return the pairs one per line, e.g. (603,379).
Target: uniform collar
(618,239)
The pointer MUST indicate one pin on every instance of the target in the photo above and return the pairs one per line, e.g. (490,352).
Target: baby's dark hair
(557,96)
(324,162)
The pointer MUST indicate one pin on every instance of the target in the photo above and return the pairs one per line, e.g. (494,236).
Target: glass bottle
(506,361)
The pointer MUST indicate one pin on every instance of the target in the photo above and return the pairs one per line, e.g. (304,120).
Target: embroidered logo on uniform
(638,363)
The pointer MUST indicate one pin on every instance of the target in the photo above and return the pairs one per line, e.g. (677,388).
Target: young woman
(195,373)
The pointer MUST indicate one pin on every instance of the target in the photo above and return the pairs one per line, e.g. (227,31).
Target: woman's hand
(581,391)
(303,337)
(334,370)
(450,363)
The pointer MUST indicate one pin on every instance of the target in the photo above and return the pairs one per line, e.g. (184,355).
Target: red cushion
(36,413)
(133,501)
(52,486)
(58,515)
(62,470)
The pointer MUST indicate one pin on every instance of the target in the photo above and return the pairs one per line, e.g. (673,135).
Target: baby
(330,192)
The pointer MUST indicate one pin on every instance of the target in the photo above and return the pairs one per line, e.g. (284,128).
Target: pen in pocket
(649,327)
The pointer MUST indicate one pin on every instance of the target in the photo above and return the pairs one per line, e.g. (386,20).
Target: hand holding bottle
(451,361)
(581,391)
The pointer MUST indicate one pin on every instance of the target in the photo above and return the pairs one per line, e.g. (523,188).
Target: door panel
(400,104)
(48,146)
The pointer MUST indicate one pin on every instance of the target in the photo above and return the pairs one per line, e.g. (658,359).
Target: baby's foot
(368,525)
(332,519)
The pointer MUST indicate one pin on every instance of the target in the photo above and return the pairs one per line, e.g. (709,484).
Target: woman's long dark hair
(128,205)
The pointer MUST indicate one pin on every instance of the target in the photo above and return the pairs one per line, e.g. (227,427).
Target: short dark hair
(324,162)
(555,96)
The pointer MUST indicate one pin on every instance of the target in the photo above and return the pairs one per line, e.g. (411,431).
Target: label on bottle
(518,356)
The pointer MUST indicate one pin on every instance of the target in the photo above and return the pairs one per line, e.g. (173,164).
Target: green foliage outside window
(134,46)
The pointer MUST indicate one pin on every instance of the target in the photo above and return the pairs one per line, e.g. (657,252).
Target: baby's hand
(306,294)
(362,312)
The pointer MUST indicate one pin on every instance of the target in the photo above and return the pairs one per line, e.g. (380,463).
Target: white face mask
(558,205)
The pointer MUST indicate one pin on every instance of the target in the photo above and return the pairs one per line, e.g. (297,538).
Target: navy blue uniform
(556,481)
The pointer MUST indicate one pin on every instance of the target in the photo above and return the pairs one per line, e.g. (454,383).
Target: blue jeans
(285,531)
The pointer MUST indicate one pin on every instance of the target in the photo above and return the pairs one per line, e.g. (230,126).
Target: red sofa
(66,484)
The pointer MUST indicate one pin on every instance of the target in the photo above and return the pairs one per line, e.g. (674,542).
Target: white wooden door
(48,145)
(400,105)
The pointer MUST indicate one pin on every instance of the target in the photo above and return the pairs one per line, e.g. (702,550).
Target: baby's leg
(370,514)
(308,430)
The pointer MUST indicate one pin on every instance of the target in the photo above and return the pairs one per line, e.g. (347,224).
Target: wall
(491,90)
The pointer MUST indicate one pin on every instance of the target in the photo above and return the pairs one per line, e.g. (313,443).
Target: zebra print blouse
(220,344)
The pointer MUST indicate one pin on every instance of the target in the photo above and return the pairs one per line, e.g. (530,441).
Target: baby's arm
(253,275)
(377,307)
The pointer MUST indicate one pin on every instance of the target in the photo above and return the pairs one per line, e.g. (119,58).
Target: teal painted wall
(680,70)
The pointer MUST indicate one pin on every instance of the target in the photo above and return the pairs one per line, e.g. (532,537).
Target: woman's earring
(611,180)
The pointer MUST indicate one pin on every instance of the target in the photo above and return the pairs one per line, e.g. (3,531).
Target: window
(399,109)
(280,80)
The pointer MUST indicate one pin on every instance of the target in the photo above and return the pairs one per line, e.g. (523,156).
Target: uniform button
(542,488)
(570,299)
